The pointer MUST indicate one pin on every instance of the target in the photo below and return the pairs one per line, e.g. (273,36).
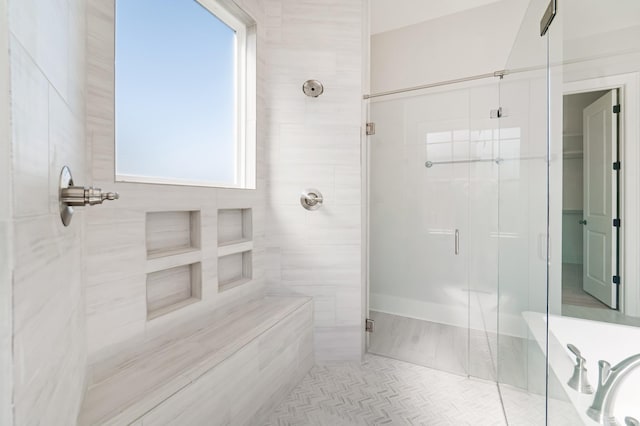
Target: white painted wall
(470,42)
(584,19)
(47,112)
(389,15)
(315,142)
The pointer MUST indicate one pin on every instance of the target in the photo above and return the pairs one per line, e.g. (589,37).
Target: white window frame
(245,136)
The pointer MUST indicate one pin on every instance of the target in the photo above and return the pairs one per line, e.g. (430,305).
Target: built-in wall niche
(173,288)
(234,270)
(234,226)
(174,271)
(235,246)
(168,233)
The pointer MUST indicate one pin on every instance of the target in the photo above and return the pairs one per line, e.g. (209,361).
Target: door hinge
(368,325)
(616,279)
(617,165)
(616,109)
(371,129)
(495,113)
(548,16)
(616,223)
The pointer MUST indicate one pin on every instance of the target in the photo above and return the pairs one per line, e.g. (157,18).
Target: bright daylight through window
(184,105)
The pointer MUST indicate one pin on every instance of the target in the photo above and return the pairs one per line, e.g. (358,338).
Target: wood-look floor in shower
(430,344)
(452,349)
(521,367)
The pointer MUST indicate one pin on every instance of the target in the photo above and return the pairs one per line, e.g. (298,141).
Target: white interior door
(600,199)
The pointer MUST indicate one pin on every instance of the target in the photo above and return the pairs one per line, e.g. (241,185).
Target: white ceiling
(388,15)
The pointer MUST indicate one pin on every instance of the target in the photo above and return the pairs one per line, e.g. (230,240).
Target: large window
(184,109)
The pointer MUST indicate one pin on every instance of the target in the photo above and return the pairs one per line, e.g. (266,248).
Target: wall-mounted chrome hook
(311,199)
(70,196)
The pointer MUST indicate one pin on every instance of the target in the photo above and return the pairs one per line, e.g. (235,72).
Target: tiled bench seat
(229,372)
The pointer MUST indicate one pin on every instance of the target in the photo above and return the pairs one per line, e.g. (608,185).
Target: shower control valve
(81,196)
(311,199)
(70,196)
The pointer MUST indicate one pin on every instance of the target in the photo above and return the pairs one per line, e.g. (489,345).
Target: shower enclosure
(465,217)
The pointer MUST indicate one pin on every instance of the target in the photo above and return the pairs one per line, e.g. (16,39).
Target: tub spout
(609,381)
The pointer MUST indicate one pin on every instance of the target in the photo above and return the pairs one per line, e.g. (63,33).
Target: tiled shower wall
(315,143)
(302,142)
(67,308)
(46,42)
(117,297)
(5,225)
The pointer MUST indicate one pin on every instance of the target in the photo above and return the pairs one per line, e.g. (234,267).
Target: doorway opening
(591,222)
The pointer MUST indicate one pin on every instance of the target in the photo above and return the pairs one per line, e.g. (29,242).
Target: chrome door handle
(457,242)
(582,222)
(71,196)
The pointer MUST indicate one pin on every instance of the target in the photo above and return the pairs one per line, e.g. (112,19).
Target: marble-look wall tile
(6,380)
(43,29)
(30,128)
(315,142)
(47,110)
(6,226)
(116,238)
(245,388)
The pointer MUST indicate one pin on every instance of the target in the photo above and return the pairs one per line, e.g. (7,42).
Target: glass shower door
(526,252)
(594,50)
(418,228)
(433,229)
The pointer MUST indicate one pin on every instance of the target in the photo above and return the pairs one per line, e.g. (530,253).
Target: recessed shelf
(171,308)
(232,284)
(234,270)
(234,225)
(174,272)
(173,288)
(171,232)
(173,252)
(177,258)
(234,247)
(234,242)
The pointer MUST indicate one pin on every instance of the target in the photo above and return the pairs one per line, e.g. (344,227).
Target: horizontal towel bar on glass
(430,164)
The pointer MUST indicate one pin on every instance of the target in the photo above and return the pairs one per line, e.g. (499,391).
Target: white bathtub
(596,341)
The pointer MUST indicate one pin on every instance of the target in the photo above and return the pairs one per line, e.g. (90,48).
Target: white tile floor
(528,409)
(383,391)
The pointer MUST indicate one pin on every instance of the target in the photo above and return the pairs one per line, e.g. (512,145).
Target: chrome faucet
(579,380)
(609,381)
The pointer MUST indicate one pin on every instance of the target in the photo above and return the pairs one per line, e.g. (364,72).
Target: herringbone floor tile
(383,391)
